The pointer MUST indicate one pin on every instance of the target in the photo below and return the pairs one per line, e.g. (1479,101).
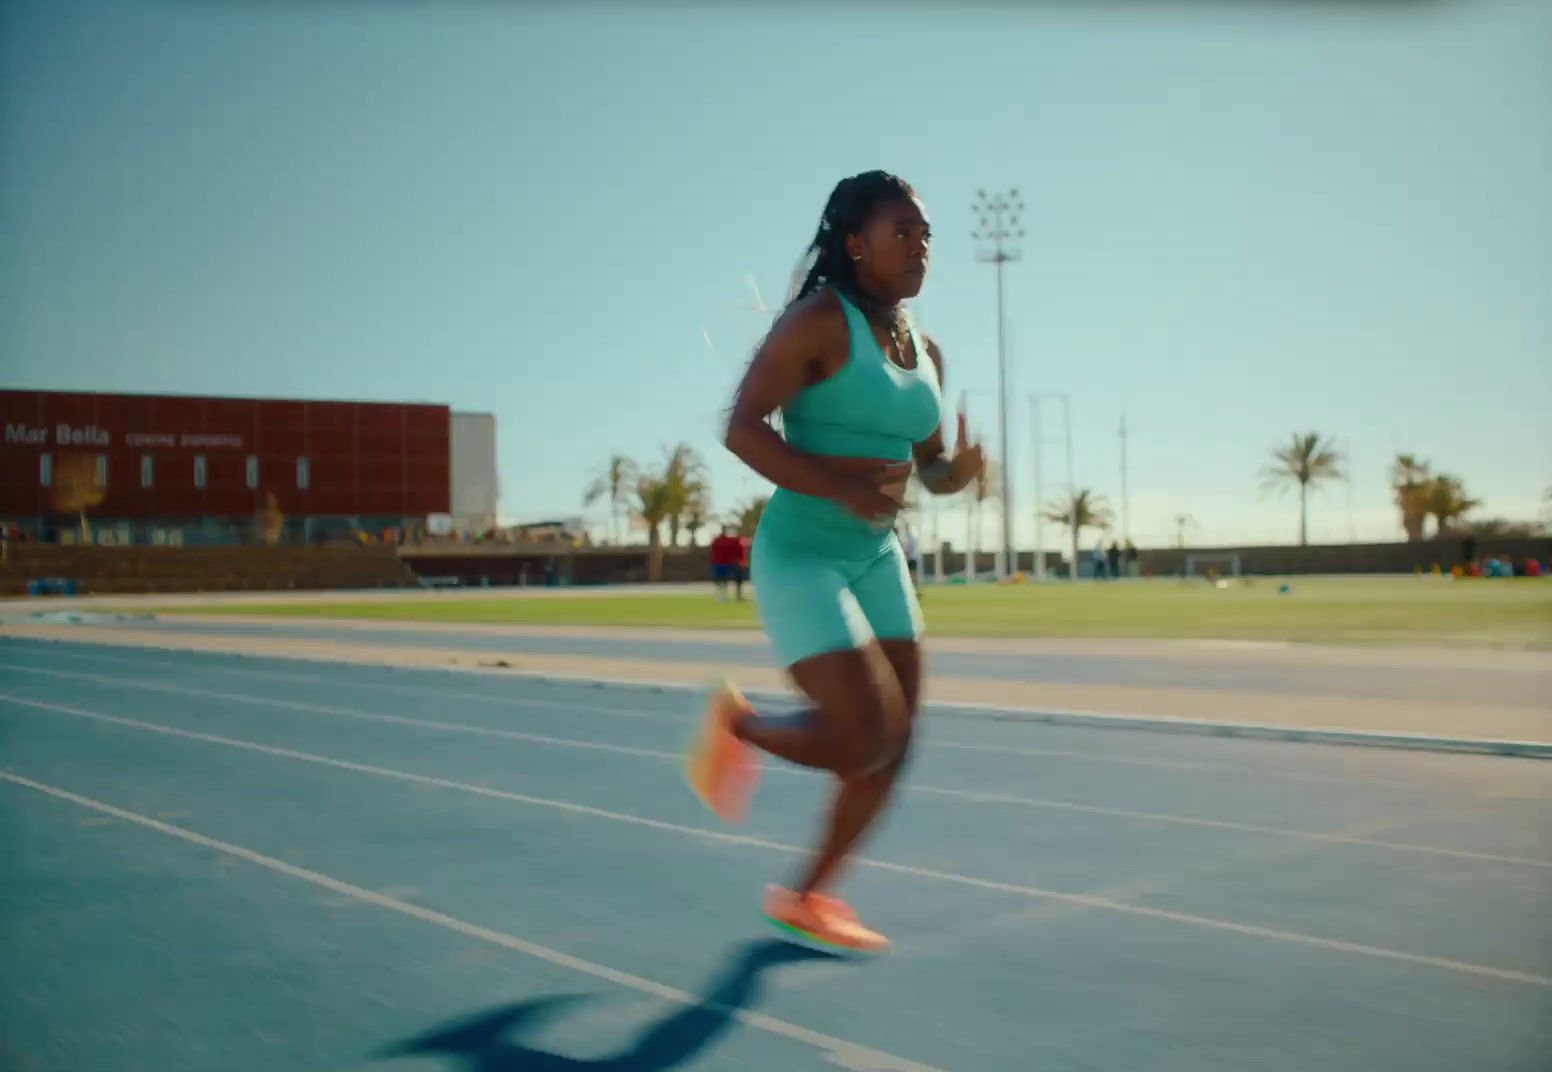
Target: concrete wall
(1355,558)
(475,488)
(686,565)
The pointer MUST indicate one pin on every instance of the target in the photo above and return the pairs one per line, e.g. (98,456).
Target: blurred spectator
(725,555)
(741,565)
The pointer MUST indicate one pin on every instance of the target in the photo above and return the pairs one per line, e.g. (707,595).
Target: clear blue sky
(1244,219)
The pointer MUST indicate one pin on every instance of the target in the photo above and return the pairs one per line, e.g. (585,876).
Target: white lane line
(972,796)
(577,682)
(1334,837)
(1205,922)
(403,776)
(1136,761)
(400,688)
(345,712)
(849,1054)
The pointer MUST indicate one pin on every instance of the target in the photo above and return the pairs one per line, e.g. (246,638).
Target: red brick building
(204,467)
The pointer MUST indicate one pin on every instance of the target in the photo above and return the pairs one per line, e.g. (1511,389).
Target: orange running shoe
(720,768)
(826,921)
(834,905)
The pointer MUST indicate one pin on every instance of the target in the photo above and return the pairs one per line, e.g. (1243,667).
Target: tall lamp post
(997,231)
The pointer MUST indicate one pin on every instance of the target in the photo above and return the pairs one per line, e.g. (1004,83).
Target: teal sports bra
(869,408)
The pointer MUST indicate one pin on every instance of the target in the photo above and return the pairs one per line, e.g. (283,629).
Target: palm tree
(654,501)
(697,511)
(612,483)
(1409,476)
(1444,499)
(1307,459)
(747,519)
(270,521)
(684,473)
(1084,510)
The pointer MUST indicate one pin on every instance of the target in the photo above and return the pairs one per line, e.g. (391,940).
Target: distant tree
(1502,528)
(613,483)
(654,502)
(1409,477)
(1083,510)
(697,510)
(1307,459)
(76,488)
(747,517)
(684,476)
(270,522)
(1445,500)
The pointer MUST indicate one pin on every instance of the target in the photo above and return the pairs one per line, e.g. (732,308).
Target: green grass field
(1503,614)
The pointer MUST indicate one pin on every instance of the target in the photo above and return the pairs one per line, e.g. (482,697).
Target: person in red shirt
(725,554)
(740,564)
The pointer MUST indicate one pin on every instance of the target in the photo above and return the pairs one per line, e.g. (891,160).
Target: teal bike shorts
(812,603)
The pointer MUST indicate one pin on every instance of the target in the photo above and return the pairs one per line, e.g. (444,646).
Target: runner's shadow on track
(489,1041)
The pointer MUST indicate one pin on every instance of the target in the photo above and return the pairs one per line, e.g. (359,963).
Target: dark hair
(850,205)
(825,263)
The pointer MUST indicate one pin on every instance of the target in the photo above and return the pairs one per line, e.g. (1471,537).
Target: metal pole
(972,538)
(1072,484)
(998,225)
(1126,531)
(1006,559)
(1352,531)
(1035,434)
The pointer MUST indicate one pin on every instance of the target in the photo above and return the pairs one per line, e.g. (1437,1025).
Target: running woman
(860,395)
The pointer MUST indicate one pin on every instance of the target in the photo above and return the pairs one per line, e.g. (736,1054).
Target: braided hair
(850,205)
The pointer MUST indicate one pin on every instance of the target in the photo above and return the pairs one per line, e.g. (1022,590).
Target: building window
(301,473)
(199,470)
(147,472)
(46,470)
(253,471)
(102,470)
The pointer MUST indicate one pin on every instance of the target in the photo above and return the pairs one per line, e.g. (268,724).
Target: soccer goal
(1213,565)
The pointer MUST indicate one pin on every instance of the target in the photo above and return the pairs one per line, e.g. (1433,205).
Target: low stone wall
(1357,558)
(129,570)
(595,566)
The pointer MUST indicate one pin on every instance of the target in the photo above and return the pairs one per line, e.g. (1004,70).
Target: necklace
(892,319)
(898,329)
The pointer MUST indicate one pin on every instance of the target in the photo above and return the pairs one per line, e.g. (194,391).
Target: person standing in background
(740,564)
(724,562)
